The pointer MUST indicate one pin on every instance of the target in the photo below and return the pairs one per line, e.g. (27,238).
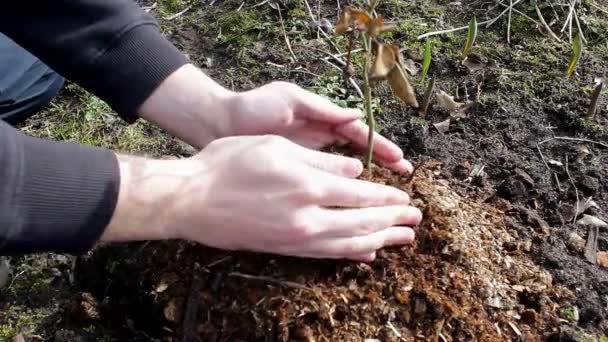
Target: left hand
(196,109)
(285,109)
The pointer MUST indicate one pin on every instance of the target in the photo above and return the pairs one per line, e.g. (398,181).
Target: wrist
(148,188)
(189,105)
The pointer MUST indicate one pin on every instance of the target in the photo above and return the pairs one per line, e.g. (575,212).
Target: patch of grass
(83,118)
(241,29)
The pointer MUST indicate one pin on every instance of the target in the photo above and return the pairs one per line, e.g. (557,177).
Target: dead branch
(189,322)
(574,139)
(270,280)
(179,14)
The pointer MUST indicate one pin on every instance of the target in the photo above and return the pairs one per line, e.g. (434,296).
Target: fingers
(356,222)
(384,150)
(360,247)
(333,163)
(315,107)
(356,193)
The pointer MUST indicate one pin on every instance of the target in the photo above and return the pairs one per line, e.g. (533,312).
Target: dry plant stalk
(382,61)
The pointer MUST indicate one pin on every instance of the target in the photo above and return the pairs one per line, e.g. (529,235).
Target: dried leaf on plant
(389,65)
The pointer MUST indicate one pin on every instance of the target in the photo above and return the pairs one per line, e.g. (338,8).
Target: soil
(499,255)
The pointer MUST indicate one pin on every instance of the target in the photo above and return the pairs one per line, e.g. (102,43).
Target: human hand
(285,109)
(194,108)
(263,194)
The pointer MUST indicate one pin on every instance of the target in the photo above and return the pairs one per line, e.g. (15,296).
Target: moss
(298,13)
(418,121)
(172,5)
(241,28)
(569,314)
(24,323)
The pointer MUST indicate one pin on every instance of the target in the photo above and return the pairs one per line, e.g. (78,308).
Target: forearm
(148,190)
(188,105)
(53,196)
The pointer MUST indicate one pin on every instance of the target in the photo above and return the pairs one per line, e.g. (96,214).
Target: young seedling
(382,61)
(599,84)
(427,60)
(428,94)
(471,37)
(577,51)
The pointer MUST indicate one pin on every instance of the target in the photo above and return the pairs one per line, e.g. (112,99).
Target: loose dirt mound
(466,278)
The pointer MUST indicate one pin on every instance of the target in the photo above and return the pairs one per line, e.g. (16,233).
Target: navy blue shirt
(60,196)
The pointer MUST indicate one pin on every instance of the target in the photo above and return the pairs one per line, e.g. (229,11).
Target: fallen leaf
(384,62)
(401,87)
(410,66)
(582,152)
(576,242)
(443,126)
(377,26)
(602,259)
(555,162)
(588,220)
(474,63)
(447,102)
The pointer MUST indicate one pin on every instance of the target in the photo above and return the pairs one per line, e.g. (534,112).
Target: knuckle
(313,192)
(303,229)
(352,247)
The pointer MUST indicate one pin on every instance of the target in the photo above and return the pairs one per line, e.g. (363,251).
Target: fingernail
(353,168)
(412,216)
(410,234)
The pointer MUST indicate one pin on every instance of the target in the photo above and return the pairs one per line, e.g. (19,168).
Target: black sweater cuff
(56,196)
(141,54)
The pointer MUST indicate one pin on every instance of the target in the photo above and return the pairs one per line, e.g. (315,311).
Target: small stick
(191,311)
(354,84)
(597,7)
(259,4)
(574,139)
(219,261)
(522,14)
(509,22)
(575,189)
(591,245)
(542,20)
(270,280)
(578,25)
(594,98)
(179,13)
(285,35)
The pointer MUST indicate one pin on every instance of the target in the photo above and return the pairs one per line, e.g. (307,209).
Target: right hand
(268,194)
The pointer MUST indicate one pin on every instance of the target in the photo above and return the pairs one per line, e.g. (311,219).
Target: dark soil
(496,258)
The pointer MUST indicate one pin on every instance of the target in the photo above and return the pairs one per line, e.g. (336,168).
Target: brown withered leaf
(400,85)
(343,23)
(456,109)
(377,26)
(384,62)
(352,17)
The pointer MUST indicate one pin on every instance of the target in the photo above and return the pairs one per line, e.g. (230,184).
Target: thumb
(309,105)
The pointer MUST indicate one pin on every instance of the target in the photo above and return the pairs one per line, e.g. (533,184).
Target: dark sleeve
(54,196)
(112,48)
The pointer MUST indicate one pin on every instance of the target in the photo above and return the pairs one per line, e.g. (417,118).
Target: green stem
(368,102)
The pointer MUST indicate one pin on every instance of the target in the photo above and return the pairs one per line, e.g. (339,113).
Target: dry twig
(189,322)
(285,35)
(179,14)
(575,189)
(574,139)
(270,280)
